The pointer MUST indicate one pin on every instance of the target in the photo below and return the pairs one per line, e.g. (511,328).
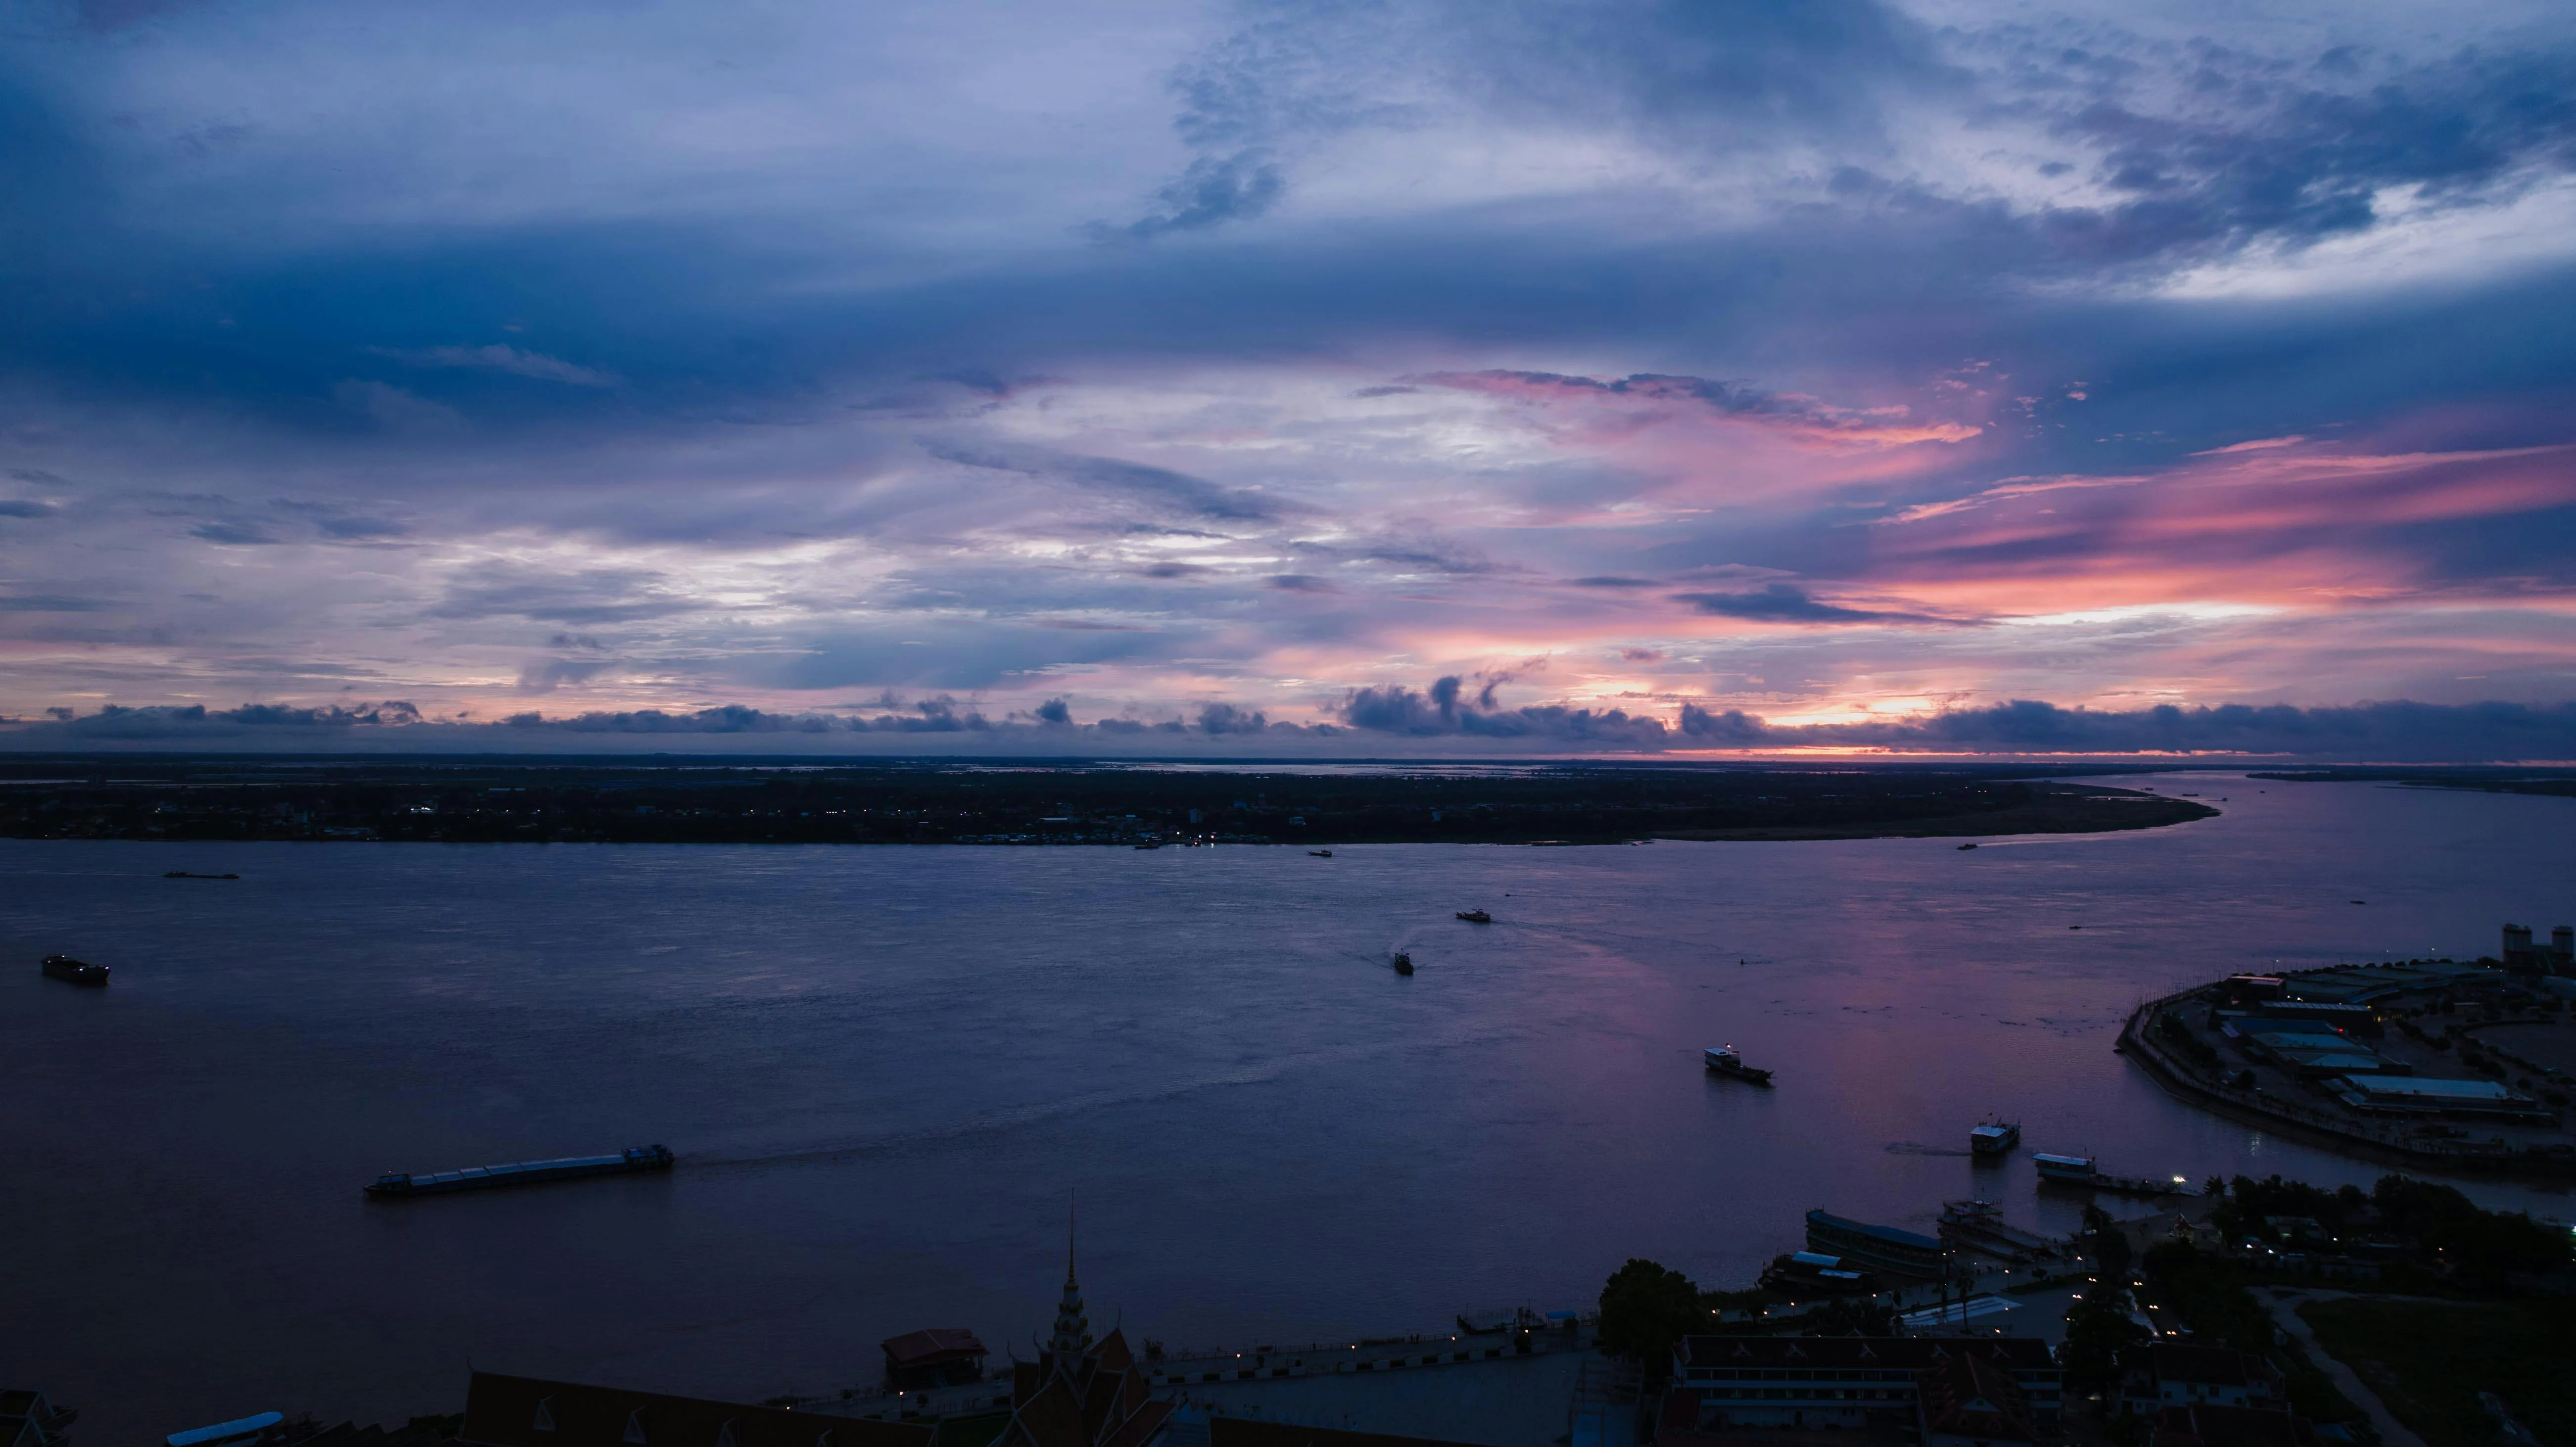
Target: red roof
(933,1346)
(1965,1397)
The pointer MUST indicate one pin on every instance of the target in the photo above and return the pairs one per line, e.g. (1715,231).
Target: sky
(1422,374)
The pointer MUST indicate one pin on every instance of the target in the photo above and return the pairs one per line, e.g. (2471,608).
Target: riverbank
(2052,809)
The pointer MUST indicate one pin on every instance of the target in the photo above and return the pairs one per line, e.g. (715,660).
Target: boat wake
(1918,1148)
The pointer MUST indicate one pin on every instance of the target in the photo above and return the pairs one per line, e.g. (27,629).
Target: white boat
(1994,1138)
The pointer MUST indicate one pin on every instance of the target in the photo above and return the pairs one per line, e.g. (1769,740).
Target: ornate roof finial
(1072,1329)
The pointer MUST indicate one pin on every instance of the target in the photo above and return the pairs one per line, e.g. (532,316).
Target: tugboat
(394,1184)
(1722,1060)
(1996,1137)
(1475,916)
(79,972)
(1403,963)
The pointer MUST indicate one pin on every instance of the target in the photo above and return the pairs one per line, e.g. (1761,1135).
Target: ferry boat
(2072,1170)
(1403,963)
(1475,916)
(2081,1171)
(521,1173)
(79,972)
(1722,1060)
(1994,1138)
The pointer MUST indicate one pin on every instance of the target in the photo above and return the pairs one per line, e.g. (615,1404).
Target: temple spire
(1072,1329)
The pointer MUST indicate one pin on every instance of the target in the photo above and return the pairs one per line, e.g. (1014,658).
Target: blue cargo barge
(522,1173)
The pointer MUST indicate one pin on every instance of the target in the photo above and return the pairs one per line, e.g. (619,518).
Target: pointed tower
(1072,1329)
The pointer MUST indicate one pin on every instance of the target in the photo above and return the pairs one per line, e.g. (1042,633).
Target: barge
(1861,1246)
(78,972)
(395,1184)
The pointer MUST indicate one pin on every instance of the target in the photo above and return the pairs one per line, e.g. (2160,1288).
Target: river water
(886,1068)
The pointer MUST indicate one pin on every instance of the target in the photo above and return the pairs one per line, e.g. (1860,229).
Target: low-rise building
(2211,1426)
(2424,1095)
(1723,1383)
(2170,1374)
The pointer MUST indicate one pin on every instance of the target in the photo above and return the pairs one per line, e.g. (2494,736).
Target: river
(886,1069)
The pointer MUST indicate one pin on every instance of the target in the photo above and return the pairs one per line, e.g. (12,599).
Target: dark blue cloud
(2396,732)
(1788,603)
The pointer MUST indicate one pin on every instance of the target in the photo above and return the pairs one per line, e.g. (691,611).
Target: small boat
(394,1184)
(1150,844)
(1996,1137)
(1475,916)
(1967,846)
(1403,963)
(79,972)
(183,874)
(1320,853)
(1722,1060)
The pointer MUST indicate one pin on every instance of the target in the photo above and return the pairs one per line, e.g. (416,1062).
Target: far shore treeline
(555,801)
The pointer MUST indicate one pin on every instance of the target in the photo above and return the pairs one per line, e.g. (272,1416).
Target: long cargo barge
(521,1173)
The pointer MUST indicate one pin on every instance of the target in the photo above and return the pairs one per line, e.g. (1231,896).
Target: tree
(1852,1316)
(1645,1309)
(2099,1334)
(2107,1244)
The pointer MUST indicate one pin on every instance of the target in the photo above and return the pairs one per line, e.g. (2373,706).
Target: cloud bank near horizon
(1812,360)
(1373,722)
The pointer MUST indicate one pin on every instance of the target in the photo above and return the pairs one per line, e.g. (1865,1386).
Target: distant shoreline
(1057,808)
(2061,809)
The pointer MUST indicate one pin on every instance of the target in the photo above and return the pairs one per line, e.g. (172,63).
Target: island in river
(553,800)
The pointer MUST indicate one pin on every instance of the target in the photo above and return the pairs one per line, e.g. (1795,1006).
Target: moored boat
(1995,1137)
(1722,1060)
(1877,1248)
(78,972)
(521,1173)
(2082,1171)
